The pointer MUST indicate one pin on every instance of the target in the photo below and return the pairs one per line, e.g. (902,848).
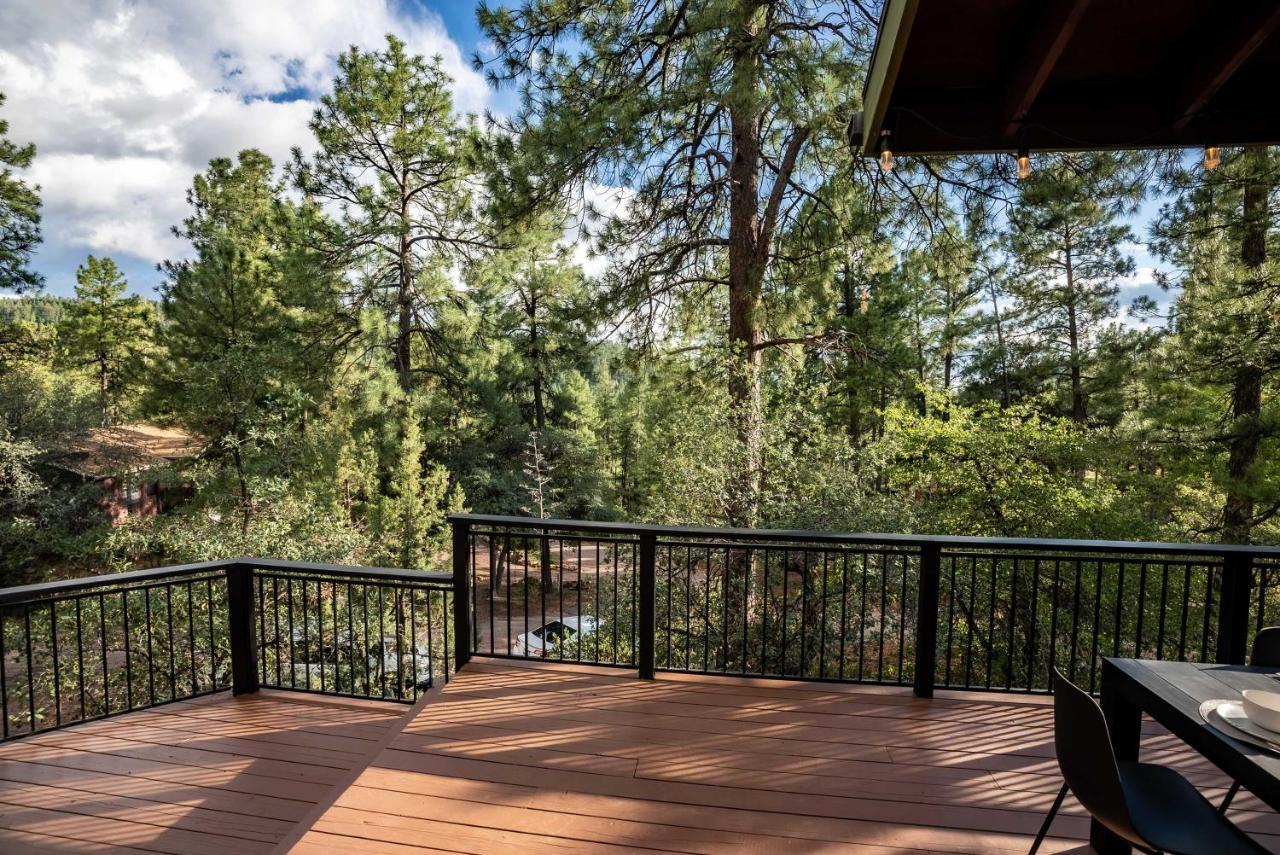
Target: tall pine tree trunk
(404,332)
(535,358)
(104,390)
(1073,339)
(746,273)
(1005,397)
(1246,392)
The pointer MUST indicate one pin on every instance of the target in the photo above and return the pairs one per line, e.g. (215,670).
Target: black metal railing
(971,613)
(356,632)
(87,649)
(956,612)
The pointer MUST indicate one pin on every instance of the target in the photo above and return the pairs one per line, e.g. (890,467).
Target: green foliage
(1012,472)
(410,522)
(106,332)
(780,336)
(1068,245)
(19,215)
(394,161)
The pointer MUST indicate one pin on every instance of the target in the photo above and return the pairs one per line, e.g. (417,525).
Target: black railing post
(1233,609)
(648,627)
(463,639)
(927,618)
(244,660)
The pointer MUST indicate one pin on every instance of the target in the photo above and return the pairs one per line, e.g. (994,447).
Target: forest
(665,288)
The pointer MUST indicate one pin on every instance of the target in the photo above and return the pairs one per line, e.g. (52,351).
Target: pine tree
(1068,244)
(1220,232)
(19,215)
(412,518)
(392,158)
(716,115)
(106,332)
(229,362)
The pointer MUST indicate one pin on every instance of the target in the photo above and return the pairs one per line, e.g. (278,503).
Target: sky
(127,100)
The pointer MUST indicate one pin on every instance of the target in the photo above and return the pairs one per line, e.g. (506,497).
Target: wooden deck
(550,759)
(219,775)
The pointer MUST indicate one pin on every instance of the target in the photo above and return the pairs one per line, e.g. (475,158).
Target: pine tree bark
(1246,392)
(1078,413)
(104,390)
(404,300)
(746,274)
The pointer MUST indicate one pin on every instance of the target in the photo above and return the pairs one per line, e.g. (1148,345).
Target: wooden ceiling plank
(891,44)
(1225,59)
(1043,47)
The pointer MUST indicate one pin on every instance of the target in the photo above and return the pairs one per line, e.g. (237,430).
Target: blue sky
(128,99)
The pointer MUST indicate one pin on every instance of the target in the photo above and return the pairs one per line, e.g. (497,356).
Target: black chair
(1151,807)
(1265,654)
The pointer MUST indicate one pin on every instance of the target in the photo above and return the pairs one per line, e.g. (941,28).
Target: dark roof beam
(1225,58)
(1042,48)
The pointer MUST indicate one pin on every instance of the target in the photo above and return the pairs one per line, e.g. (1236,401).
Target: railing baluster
(57,670)
(4,683)
(31,688)
(79,658)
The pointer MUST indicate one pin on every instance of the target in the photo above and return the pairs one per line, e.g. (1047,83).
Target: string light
(1024,163)
(886,154)
(1212,157)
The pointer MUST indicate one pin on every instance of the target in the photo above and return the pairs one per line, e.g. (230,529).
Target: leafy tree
(106,332)
(19,215)
(392,158)
(19,484)
(717,116)
(990,470)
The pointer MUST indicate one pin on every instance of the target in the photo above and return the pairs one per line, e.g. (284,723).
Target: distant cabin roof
(101,452)
(999,75)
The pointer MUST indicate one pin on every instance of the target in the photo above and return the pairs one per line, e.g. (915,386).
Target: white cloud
(1143,276)
(598,204)
(127,99)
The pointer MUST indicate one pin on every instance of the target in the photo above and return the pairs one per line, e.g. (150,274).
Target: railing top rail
(1020,544)
(49,590)
(390,574)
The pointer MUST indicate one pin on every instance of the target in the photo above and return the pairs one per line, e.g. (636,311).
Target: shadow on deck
(542,758)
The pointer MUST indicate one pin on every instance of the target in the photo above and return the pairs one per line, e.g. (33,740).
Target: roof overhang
(952,77)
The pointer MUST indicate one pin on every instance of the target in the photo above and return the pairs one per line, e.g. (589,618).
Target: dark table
(1171,693)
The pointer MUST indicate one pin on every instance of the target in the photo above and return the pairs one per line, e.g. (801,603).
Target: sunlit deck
(548,758)
(217,775)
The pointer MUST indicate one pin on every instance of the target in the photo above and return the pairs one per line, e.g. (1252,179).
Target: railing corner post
(927,618)
(647,629)
(240,627)
(463,639)
(1233,610)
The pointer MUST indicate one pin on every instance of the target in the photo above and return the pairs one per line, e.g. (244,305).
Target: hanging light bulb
(1212,157)
(886,154)
(1024,163)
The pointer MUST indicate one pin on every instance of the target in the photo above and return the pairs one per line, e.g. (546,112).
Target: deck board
(547,758)
(576,759)
(214,776)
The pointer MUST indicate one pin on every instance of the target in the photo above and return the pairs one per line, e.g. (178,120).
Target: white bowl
(1262,708)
